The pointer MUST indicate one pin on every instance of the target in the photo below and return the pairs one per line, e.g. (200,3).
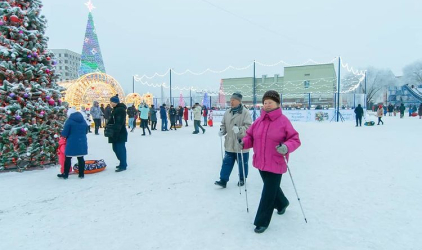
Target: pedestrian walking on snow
(402,109)
(144,114)
(273,139)
(197,118)
(380,113)
(359,114)
(131,112)
(236,121)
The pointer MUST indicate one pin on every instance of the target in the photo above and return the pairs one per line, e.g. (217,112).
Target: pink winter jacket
(268,131)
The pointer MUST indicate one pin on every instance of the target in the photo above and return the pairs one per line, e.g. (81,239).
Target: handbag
(109,131)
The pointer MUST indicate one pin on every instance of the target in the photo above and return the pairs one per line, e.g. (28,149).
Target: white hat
(71,111)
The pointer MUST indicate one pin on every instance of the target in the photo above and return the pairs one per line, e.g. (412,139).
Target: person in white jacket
(197,118)
(87,116)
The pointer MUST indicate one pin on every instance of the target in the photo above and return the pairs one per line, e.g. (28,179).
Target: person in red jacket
(205,115)
(186,115)
(273,138)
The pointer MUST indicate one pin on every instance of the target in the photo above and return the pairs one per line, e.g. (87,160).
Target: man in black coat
(107,113)
(359,114)
(117,124)
(402,109)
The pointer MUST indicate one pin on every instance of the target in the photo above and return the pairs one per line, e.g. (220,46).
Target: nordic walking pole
(221,143)
(244,177)
(294,186)
(239,151)
(237,155)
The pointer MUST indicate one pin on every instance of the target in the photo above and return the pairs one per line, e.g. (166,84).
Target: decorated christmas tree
(91,59)
(31,114)
(181,100)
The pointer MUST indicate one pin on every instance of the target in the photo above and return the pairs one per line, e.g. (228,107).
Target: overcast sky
(148,36)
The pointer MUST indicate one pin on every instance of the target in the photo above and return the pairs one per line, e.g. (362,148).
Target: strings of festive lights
(230,67)
(292,85)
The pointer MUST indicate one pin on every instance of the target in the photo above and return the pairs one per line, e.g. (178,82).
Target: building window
(66,74)
(306,84)
(66,61)
(65,55)
(60,67)
(307,74)
(60,55)
(66,68)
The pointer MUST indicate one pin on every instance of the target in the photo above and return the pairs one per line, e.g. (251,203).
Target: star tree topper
(90,6)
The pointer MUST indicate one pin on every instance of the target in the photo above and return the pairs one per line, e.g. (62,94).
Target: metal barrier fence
(288,101)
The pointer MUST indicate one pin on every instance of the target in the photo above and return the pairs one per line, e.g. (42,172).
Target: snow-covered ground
(360,189)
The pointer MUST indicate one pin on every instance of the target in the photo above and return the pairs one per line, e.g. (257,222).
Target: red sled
(210,123)
(415,114)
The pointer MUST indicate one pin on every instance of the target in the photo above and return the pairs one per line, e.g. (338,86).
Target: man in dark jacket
(153,117)
(131,111)
(102,116)
(390,109)
(402,109)
(172,115)
(163,116)
(117,124)
(180,114)
(107,113)
(359,114)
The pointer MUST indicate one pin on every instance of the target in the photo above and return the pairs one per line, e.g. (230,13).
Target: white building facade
(68,63)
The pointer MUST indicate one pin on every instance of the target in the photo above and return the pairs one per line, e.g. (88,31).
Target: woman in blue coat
(75,129)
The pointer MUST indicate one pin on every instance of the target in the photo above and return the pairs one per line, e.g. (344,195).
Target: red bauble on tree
(15,19)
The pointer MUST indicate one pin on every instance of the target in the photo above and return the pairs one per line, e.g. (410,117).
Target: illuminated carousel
(135,98)
(91,87)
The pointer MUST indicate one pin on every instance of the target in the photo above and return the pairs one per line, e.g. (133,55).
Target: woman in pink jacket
(273,138)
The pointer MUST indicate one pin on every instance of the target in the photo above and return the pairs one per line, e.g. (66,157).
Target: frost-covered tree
(412,73)
(376,80)
(31,113)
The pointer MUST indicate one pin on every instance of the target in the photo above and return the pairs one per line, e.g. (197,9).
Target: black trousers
(358,121)
(153,125)
(379,120)
(81,166)
(144,124)
(97,123)
(134,123)
(272,197)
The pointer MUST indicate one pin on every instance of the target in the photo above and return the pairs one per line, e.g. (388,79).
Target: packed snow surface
(360,189)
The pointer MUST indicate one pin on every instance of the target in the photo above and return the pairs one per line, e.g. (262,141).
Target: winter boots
(221,183)
(62,176)
(259,230)
(240,183)
(283,210)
